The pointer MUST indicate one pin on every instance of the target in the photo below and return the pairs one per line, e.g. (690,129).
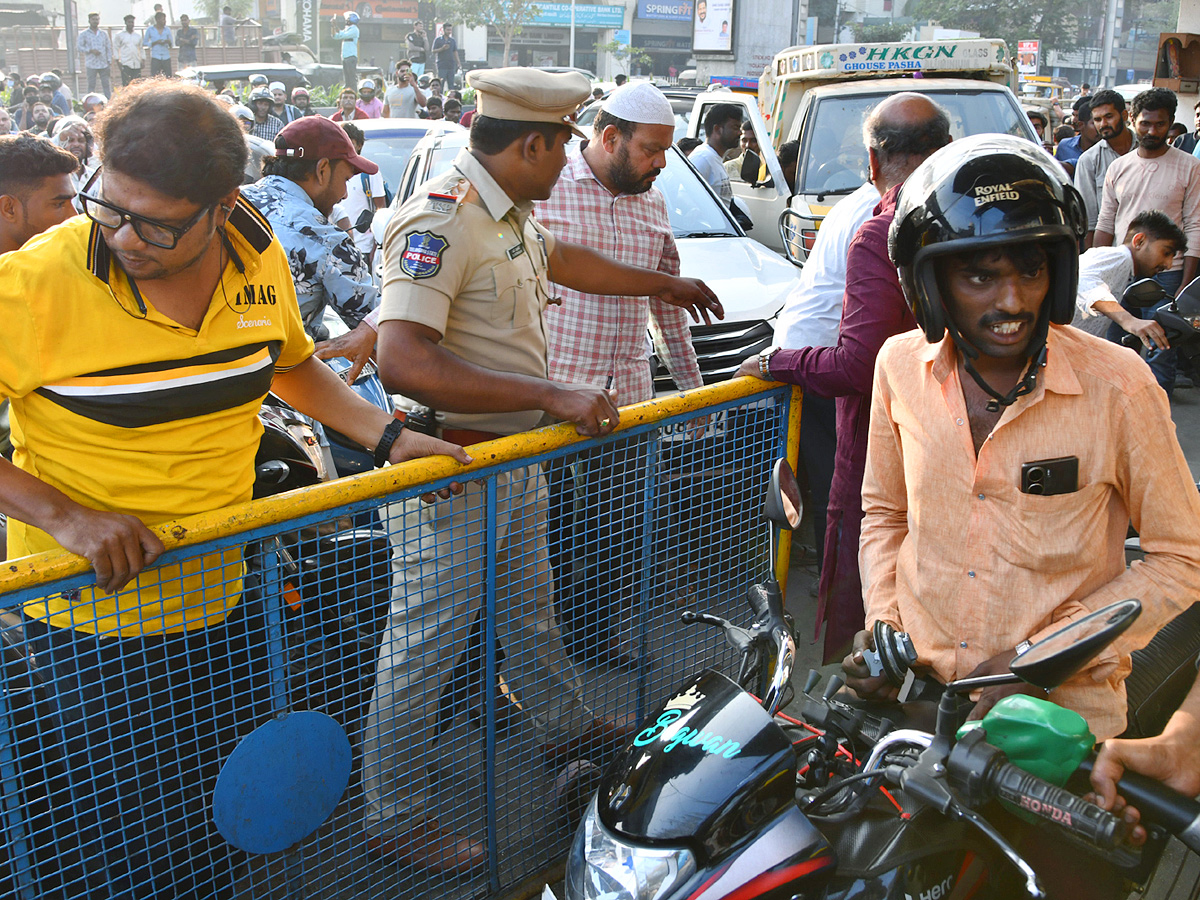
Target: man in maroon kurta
(900,133)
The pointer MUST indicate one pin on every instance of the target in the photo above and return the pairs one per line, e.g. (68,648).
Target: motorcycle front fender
(708,769)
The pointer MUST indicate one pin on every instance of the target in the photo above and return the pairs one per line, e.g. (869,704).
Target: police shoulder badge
(441,203)
(422,256)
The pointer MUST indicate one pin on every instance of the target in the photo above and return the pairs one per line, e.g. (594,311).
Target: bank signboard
(671,10)
(586,14)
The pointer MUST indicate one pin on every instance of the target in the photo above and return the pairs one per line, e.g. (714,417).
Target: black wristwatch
(384,448)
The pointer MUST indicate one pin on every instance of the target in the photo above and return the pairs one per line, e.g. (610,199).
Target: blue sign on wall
(673,10)
(586,14)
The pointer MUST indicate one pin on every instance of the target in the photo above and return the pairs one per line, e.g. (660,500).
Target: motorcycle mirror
(273,471)
(1144,292)
(1187,304)
(784,506)
(1051,661)
(750,167)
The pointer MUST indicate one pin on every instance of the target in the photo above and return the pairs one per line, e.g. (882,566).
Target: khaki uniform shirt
(460,257)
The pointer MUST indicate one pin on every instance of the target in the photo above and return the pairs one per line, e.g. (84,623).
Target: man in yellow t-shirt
(141,340)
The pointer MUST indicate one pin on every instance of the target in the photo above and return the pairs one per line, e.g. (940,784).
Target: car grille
(720,349)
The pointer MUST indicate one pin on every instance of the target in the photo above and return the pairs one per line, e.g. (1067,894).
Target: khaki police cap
(529,95)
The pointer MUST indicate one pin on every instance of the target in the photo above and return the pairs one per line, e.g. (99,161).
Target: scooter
(720,795)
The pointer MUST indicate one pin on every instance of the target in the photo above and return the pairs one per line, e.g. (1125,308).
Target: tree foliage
(506,16)
(212,8)
(1053,22)
(625,55)
(879,34)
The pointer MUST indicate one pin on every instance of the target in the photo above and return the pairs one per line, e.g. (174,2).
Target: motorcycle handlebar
(1048,801)
(1178,814)
(757,598)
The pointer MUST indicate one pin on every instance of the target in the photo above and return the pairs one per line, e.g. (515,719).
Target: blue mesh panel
(483,656)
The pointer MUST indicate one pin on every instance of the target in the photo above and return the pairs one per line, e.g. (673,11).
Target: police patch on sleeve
(422,256)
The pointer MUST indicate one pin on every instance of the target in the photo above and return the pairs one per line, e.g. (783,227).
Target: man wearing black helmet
(1007,453)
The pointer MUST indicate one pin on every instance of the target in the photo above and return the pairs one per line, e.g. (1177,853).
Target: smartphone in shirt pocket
(1047,477)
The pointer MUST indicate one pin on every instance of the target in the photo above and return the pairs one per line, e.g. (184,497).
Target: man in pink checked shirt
(604,200)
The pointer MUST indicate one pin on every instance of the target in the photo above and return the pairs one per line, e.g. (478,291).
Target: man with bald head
(899,134)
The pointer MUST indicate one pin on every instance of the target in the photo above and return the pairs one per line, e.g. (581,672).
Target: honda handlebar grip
(1047,801)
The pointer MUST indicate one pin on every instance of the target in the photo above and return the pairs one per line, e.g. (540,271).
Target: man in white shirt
(810,318)
(127,46)
(1151,244)
(723,132)
(364,195)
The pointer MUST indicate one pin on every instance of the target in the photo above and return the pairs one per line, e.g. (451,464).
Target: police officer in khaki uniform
(466,277)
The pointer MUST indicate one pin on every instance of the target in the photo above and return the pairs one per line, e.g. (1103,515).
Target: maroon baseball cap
(315,137)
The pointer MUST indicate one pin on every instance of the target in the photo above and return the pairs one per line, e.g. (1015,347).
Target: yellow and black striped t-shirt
(134,413)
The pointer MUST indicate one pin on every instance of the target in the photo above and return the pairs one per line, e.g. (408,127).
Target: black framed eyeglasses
(157,234)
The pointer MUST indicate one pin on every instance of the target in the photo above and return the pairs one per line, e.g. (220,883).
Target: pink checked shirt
(590,336)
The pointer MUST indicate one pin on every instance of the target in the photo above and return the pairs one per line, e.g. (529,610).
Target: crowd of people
(931,330)
(37,102)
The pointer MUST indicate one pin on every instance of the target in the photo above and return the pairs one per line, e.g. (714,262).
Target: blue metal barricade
(386,698)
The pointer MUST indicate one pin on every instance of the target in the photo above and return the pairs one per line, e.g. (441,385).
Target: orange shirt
(955,554)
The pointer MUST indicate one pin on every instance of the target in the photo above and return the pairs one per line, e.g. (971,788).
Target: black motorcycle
(722,796)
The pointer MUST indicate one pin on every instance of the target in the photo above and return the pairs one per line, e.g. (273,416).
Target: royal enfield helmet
(978,192)
(981,192)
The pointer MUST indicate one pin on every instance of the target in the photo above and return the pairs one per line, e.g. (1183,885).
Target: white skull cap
(642,103)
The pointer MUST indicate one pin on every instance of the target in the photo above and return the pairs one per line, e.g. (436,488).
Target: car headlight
(602,866)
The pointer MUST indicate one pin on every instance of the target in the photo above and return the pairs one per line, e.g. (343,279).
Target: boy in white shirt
(1151,245)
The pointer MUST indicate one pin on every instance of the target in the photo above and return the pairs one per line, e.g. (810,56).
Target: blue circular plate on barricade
(281,782)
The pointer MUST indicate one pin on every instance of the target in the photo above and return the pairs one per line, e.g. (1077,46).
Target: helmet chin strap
(1027,382)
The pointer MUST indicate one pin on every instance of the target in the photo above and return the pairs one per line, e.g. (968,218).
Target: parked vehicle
(819,96)
(322,74)
(720,796)
(390,142)
(751,281)
(225,73)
